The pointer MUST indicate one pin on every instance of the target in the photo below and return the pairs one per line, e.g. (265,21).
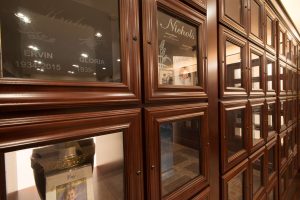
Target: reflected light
(33,47)
(23,18)
(38,69)
(104,68)
(94,73)
(119,60)
(71,72)
(38,61)
(77,66)
(98,34)
(84,55)
(42,70)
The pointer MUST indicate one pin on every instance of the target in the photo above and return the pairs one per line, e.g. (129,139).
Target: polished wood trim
(20,93)
(227,35)
(198,4)
(154,117)
(153,91)
(204,195)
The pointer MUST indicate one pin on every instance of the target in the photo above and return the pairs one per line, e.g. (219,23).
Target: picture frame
(75,183)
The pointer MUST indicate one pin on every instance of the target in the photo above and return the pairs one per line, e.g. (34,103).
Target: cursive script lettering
(174,26)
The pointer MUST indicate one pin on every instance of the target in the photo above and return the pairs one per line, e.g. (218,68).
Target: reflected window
(282,75)
(65,41)
(177,51)
(82,168)
(234,131)
(271,118)
(282,113)
(257,174)
(281,42)
(256,71)
(257,124)
(270,32)
(288,49)
(233,65)
(179,153)
(270,75)
(255,19)
(233,9)
(235,187)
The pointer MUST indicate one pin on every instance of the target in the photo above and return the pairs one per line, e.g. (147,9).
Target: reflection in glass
(271,118)
(281,42)
(234,131)
(288,48)
(271,161)
(233,65)
(235,187)
(90,166)
(233,9)
(256,71)
(282,74)
(270,34)
(257,124)
(179,153)
(270,75)
(177,51)
(282,148)
(257,174)
(65,41)
(255,18)
(282,113)
(271,195)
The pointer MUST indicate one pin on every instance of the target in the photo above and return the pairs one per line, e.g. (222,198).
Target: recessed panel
(61,40)
(270,32)
(255,19)
(177,51)
(233,9)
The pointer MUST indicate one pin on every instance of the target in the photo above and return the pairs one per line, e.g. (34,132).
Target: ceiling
(292,7)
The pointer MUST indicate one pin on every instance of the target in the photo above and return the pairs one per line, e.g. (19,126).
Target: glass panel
(271,195)
(234,73)
(235,131)
(282,74)
(270,75)
(270,34)
(236,187)
(257,124)
(290,142)
(82,169)
(282,113)
(233,9)
(256,71)
(177,51)
(271,161)
(282,184)
(281,43)
(282,148)
(271,118)
(288,48)
(179,153)
(61,41)
(257,173)
(255,18)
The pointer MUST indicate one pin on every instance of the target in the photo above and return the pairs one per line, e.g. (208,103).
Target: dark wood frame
(273,186)
(240,168)
(204,195)
(228,163)
(241,28)
(274,75)
(284,77)
(258,154)
(269,146)
(153,91)
(269,13)
(20,93)
(259,52)
(281,28)
(227,35)
(27,132)
(272,133)
(199,4)
(259,40)
(154,117)
(255,103)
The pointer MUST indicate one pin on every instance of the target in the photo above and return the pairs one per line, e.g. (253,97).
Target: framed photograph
(73,184)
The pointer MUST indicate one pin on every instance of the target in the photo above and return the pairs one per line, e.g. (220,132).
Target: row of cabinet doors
(80,61)
(175,146)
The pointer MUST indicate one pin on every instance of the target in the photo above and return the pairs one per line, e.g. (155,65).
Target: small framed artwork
(76,183)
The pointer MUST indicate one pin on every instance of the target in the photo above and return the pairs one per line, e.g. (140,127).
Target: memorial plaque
(77,40)
(177,51)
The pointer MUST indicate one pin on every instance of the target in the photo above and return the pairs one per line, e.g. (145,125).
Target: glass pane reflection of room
(88,169)
(180,153)
(61,40)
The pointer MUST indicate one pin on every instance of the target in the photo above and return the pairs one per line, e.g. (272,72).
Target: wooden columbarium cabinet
(148,100)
